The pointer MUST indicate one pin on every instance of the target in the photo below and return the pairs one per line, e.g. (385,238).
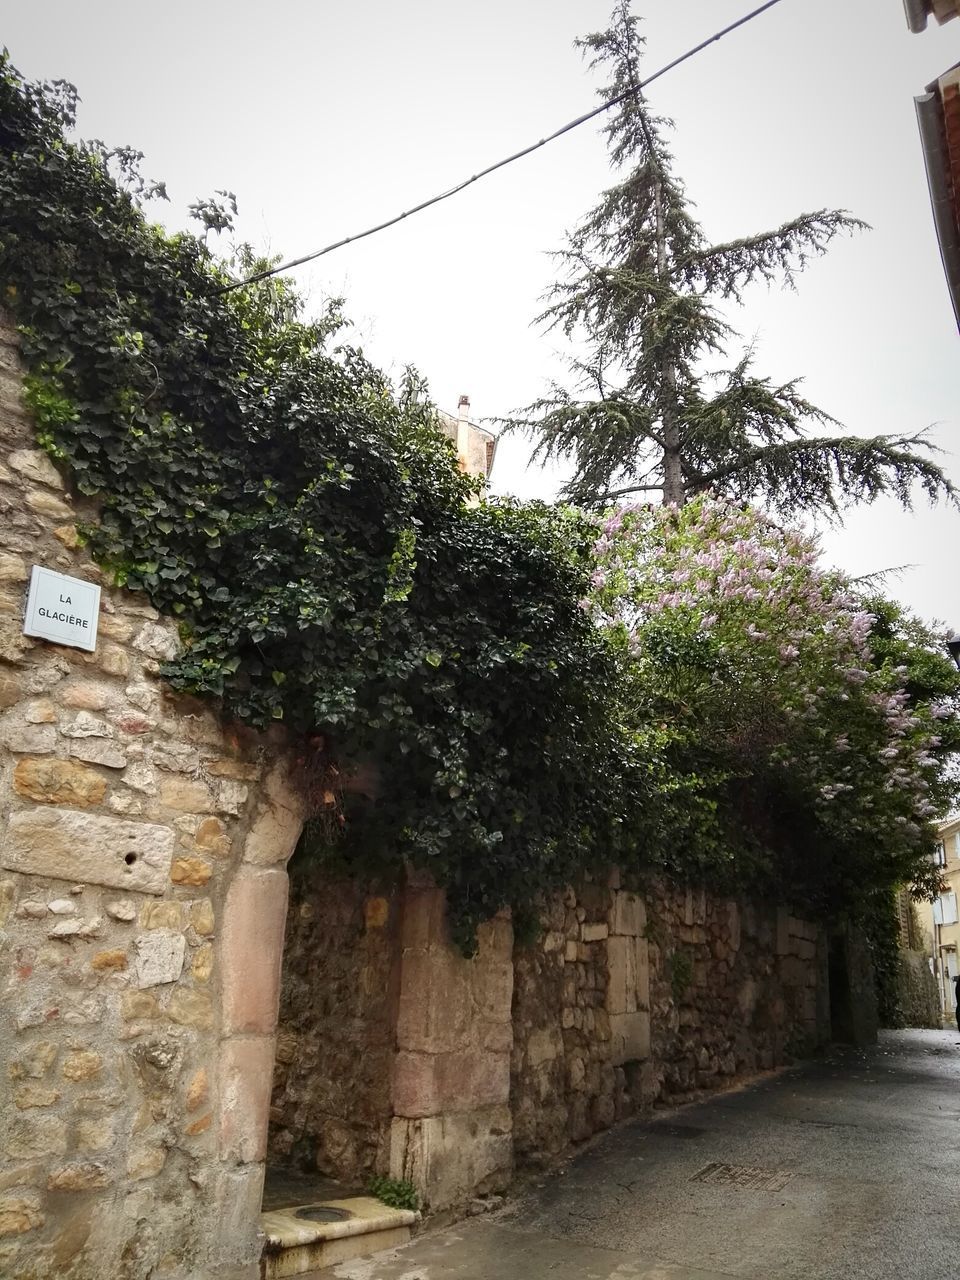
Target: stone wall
(627,1001)
(917,994)
(452,1129)
(142,900)
(331,1107)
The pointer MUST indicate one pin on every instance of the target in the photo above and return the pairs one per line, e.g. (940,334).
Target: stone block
(246,1078)
(621,975)
(34,1062)
(90,848)
(176,757)
(441,1084)
(197,1090)
(82,1064)
(424,919)
(252,928)
(159,957)
(594,932)
(158,640)
(236,769)
(450,1157)
(191,871)
(82,1176)
(161,915)
(31,1137)
(191,1009)
(97,751)
(276,827)
(628,914)
(231,797)
(58,782)
(202,917)
(202,964)
(235,1238)
(20,1213)
(211,836)
(29,1096)
(86,725)
(435,1012)
(40,711)
(186,795)
(145,1162)
(492,983)
(35,465)
(47,506)
(18,736)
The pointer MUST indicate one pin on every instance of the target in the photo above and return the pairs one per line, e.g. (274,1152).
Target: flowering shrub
(796,732)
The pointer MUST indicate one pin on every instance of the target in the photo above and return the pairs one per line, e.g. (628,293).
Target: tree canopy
(639,296)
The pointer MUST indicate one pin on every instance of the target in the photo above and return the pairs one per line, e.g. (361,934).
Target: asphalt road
(843,1169)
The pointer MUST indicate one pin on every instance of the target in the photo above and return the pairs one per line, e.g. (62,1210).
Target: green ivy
(308,525)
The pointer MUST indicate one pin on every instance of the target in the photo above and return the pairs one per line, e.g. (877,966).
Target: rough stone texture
(451,1074)
(917,993)
(331,1107)
(682,994)
(121,1143)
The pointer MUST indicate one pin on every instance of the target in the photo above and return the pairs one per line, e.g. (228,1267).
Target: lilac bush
(795,731)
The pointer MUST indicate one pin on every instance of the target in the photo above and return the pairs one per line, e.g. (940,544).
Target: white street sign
(64,610)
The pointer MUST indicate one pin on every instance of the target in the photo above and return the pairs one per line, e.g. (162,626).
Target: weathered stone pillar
(452,1128)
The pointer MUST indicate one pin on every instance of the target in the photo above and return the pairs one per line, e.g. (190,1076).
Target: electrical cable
(500,164)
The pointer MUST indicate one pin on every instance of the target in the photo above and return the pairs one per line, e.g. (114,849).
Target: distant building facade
(942,918)
(476,446)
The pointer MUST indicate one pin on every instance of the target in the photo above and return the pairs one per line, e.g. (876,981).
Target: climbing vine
(307,524)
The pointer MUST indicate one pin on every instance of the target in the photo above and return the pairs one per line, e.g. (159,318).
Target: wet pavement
(847,1168)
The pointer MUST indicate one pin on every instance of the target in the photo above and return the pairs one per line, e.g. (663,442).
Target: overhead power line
(500,164)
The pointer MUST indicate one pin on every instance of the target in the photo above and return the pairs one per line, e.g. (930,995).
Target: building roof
(918,11)
(938,115)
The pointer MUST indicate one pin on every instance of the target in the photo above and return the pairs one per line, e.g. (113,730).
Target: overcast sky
(325,117)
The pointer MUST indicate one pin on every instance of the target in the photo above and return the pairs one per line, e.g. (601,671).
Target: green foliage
(306,521)
(638,292)
(795,737)
(398,1193)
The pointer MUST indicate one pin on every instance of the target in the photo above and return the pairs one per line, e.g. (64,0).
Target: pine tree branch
(725,269)
(808,473)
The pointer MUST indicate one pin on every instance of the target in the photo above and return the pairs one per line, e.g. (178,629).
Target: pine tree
(638,296)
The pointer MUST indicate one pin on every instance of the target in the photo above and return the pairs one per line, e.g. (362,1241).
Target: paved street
(845,1169)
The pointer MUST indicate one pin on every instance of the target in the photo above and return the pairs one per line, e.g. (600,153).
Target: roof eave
(916,11)
(929,118)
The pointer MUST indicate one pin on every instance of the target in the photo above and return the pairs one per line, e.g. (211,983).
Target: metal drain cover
(745,1177)
(322,1213)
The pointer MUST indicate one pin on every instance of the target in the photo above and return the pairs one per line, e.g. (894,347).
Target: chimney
(463,408)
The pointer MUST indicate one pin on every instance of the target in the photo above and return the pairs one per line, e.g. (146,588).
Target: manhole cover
(322,1213)
(743,1176)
